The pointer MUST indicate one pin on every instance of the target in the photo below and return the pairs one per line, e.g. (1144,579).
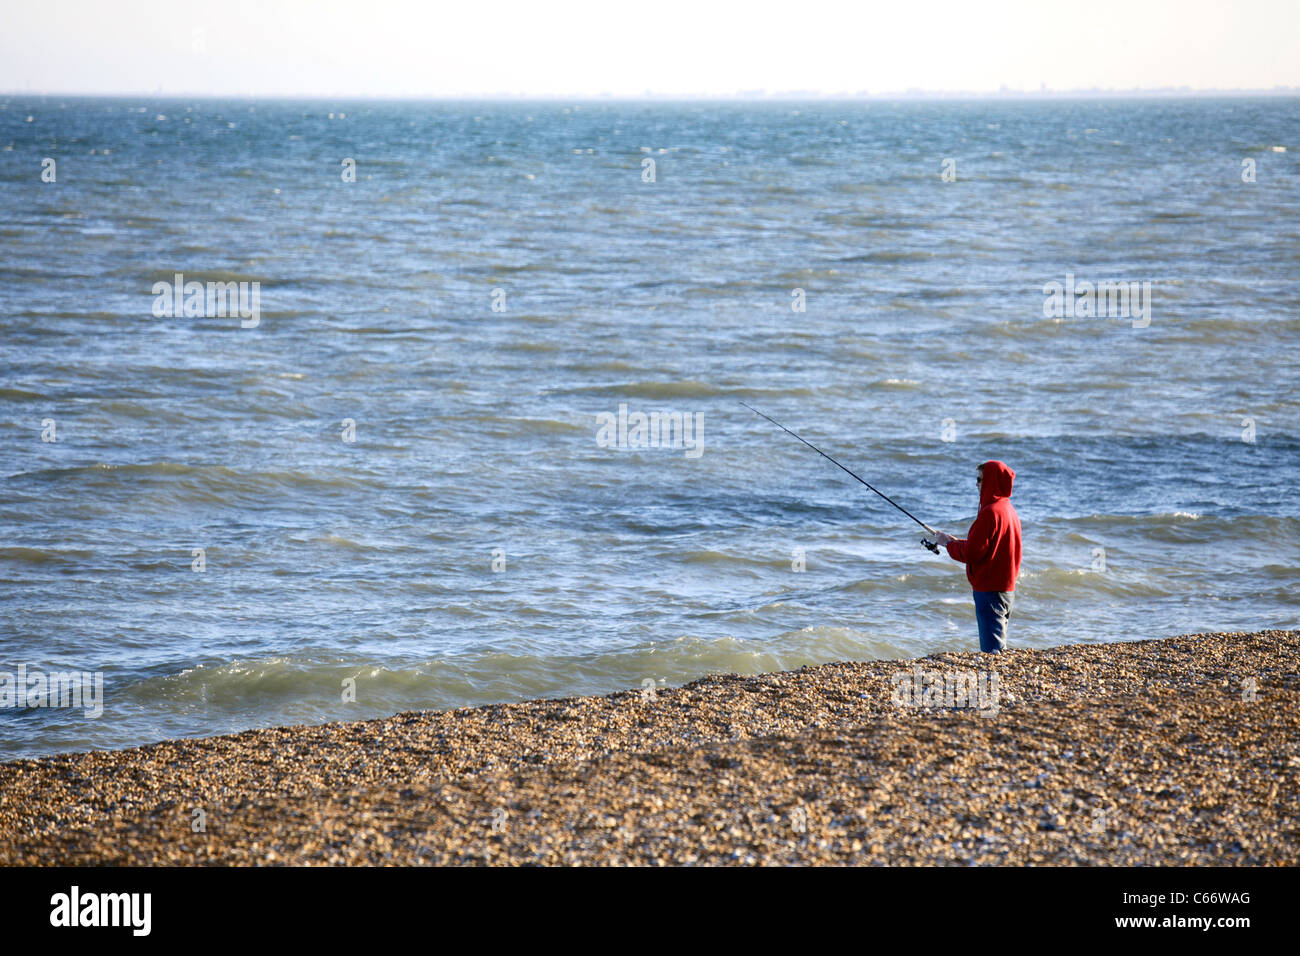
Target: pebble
(1133,753)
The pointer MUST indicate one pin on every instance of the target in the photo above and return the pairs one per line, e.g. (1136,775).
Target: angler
(991,553)
(990,550)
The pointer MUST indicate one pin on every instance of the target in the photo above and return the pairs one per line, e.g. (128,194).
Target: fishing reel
(931,545)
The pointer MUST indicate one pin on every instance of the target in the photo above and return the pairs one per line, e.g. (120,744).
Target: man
(991,553)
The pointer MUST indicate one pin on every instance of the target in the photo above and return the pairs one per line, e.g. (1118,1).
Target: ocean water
(499,276)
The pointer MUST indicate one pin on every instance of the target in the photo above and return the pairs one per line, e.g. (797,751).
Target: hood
(997,482)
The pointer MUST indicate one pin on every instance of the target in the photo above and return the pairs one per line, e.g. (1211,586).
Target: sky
(631,48)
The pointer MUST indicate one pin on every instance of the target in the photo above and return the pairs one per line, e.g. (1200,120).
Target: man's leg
(992,608)
(1003,600)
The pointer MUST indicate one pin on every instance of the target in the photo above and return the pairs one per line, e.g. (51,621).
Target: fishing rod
(929,544)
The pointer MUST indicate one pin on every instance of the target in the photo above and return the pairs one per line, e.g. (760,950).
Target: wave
(160,412)
(42,556)
(340,542)
(896,383)
(545,426)
(890,255)
(1057,584)
(157,274)
(686,389)
(1168,518)
(682,389)
(488,677)
(21,395)
(190,482)
(724,558)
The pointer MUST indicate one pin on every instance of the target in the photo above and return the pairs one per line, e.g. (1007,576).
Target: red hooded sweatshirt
(991,550)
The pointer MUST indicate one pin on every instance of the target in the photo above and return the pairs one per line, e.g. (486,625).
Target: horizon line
(755,96)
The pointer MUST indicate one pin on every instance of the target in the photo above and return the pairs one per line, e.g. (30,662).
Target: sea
(316,411)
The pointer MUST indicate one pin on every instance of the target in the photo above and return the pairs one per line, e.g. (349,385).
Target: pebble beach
(1174,751)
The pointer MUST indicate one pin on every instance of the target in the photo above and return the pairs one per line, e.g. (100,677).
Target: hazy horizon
(794,96)
(677,50)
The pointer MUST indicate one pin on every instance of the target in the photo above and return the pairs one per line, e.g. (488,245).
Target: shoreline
(1135,752)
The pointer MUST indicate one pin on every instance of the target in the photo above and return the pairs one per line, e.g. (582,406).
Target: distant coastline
(751,97)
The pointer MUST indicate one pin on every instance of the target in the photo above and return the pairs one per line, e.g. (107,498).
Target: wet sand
(1145,752)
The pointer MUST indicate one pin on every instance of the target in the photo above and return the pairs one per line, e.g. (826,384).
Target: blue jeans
(992,608)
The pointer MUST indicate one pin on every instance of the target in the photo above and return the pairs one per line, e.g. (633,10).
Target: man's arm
(974,548)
